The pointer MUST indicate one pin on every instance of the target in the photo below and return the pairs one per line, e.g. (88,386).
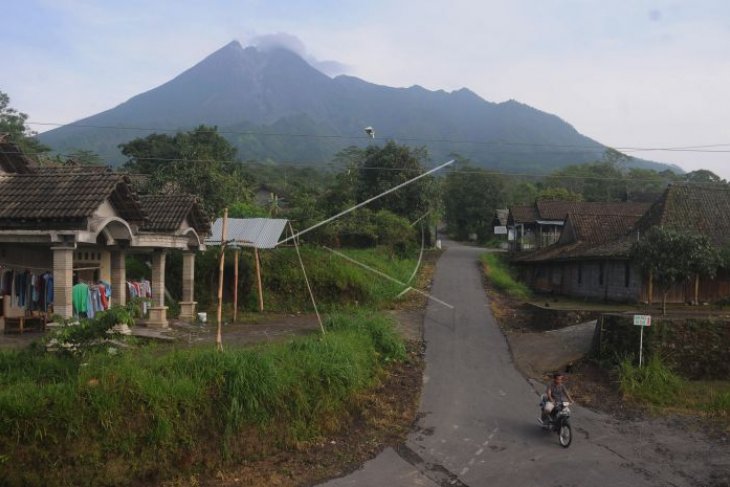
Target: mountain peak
(273,87)
(234,44)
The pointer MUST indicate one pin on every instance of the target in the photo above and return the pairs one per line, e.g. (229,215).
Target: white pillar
(63,259)
(119,277)
(187,304)
(158,310)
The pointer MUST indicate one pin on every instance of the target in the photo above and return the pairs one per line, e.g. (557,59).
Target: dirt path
(538,353)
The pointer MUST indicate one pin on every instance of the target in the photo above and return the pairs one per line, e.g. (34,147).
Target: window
(627,274)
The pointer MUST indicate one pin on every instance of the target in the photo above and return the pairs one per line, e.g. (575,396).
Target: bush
(653,383)
(90,333)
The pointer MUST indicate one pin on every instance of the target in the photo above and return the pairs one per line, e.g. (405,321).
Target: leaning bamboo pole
(218,337)
(258,278)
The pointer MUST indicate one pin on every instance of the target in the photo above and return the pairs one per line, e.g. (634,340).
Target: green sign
(642,320)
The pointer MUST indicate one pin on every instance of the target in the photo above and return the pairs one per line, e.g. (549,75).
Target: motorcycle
(558,421)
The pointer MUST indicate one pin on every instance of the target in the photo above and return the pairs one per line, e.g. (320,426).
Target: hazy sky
(628,73)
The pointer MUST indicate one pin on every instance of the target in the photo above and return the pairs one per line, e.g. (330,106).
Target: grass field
(142,414)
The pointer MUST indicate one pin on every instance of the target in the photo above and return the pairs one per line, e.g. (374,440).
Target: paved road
(478,426)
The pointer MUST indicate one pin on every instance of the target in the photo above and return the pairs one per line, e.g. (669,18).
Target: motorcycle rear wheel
(565,435)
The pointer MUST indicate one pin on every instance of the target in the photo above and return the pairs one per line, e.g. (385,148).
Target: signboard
(642,320)
(500,230)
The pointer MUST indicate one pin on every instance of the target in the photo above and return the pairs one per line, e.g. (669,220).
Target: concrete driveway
(478,427)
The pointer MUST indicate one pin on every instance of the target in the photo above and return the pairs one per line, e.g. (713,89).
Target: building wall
(605,280)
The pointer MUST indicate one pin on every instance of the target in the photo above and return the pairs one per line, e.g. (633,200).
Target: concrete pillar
(187,304)
(158,310)
(119,277)
(63,260)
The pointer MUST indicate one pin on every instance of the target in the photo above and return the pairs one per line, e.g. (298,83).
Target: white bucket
(203,317)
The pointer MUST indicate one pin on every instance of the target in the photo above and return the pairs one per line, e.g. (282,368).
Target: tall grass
(69,422)
(499,274)
(656,385)
(335,281)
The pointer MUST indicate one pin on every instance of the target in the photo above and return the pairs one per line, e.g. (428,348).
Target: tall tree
(671,257)
(471,196)
(562,194)
(13,123)
(381,168)
(200,162)
(703,176)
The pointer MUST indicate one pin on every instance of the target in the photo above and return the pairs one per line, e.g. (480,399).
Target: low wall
(544,319)
(696,348)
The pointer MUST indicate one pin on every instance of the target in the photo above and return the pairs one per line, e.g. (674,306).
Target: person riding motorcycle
(555,394)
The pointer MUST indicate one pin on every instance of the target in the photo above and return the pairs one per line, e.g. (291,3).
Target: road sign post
(642,321)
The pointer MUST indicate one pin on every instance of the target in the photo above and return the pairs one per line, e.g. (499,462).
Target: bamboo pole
(218,337)
(258,278)
(235,284)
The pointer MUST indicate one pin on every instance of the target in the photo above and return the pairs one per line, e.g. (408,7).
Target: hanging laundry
(80,299)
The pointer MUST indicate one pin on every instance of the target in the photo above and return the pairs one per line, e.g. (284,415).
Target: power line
(451,171)
(691,148)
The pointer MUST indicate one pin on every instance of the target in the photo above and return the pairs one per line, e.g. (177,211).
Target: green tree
(598,181)
(670,257)
(561,194)
(703,176)
(471,196)
(521,193)
(13,123)
(199,162)
(381,168)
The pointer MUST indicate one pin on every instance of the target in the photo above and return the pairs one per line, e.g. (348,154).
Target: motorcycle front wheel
(565,434)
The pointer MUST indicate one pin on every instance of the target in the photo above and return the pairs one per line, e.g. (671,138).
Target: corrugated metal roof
(262,233)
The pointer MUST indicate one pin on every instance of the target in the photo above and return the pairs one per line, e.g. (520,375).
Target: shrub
(653,383)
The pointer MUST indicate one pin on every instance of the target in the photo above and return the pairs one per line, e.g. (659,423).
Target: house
(591,257)
(83,221)
(499,222)
(539,225)
(589,260)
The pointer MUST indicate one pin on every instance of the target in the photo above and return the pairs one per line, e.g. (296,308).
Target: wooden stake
(258,278)
(235,285)
(218,337)
(697,289)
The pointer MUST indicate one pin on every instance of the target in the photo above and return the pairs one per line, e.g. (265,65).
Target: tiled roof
(167,212)
(63,200)
(588,236)
(523,214)
(597,228)
(556,210)
(12,160)
(702,208)
(72,169)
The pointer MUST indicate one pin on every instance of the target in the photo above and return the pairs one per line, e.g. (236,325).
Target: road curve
(477,423)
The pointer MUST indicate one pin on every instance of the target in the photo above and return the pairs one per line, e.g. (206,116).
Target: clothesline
(22,267)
